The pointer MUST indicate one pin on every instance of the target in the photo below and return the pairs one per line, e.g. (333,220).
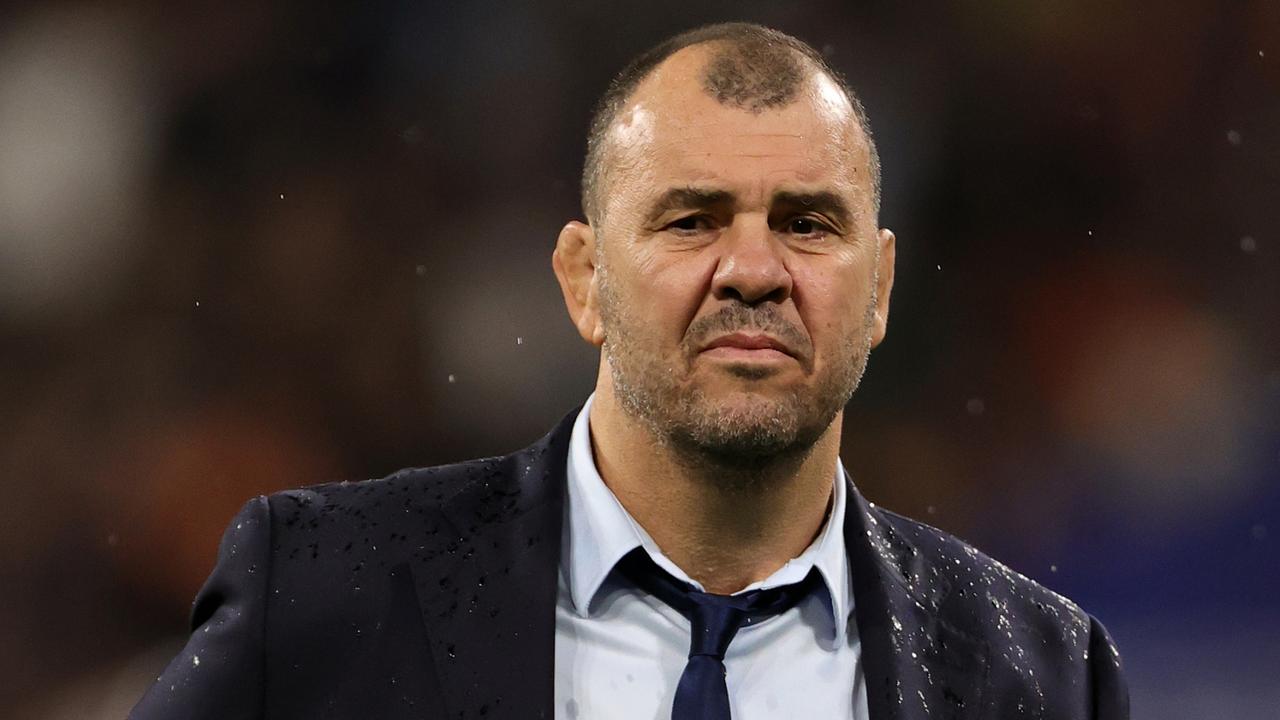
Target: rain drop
(195,660)
(1248,244)
(453,379)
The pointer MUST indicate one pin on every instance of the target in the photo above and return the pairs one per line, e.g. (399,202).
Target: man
(688,545)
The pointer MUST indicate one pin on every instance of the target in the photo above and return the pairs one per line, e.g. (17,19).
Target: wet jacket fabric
(431,594)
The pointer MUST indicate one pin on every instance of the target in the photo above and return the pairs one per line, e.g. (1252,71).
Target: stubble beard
(745,435)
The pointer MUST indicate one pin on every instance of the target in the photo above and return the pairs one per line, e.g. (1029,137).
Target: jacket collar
(488,599)
(917,664)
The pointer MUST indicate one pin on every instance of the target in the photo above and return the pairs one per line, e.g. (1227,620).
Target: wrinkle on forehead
(739,145)
(685,151)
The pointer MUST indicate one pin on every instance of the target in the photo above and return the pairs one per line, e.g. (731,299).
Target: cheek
(673,289)
(831,300)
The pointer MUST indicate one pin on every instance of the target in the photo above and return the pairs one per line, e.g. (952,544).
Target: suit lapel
(916,664)
(488,593)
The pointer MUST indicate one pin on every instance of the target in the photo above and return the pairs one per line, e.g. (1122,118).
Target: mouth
(748,347)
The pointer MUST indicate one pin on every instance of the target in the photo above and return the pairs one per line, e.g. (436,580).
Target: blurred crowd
(246,247)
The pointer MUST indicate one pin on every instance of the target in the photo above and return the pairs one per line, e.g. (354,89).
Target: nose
(751,267)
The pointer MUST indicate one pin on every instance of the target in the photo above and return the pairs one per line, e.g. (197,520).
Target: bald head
(743,66)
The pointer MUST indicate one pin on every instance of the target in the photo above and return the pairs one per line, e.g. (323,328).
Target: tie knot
(714,623)
(714,619)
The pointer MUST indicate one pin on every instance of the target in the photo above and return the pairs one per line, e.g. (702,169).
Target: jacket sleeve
(1110,690)
(219,674)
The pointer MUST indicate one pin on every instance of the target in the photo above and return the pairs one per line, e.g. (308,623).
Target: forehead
(673,131)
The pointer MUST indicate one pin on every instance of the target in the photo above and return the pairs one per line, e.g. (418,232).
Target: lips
(748,341)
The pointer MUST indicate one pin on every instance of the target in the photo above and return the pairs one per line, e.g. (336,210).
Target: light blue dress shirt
(620,653)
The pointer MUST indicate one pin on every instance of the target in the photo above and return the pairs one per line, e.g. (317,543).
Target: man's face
(737,265)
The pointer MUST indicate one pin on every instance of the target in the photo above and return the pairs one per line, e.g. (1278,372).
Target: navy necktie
(715,619)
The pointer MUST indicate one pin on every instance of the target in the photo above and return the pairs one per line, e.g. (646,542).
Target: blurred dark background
(245,247)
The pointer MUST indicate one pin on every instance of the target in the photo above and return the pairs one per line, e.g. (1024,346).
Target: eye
(805,226)
(689,224)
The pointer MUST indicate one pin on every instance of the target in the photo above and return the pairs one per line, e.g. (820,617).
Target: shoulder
(983,586)
(1035,637)
(413,514)
(484,488)
(362,503)
(985,598)
(1045,655)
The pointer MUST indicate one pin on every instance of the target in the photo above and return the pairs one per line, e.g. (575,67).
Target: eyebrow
(823,201)
(689,198)
(692,198)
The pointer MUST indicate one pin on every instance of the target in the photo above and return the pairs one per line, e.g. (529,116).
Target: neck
(725,527)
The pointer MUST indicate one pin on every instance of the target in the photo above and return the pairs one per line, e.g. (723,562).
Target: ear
(574,263)
(884,283)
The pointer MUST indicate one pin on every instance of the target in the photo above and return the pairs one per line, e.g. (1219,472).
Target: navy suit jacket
(431,594)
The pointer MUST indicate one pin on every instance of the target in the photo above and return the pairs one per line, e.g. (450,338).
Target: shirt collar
(599,532)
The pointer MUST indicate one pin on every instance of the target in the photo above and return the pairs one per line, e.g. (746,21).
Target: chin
(743,424)
(739,394)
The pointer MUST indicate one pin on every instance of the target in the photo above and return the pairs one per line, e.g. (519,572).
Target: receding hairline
(782,66)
